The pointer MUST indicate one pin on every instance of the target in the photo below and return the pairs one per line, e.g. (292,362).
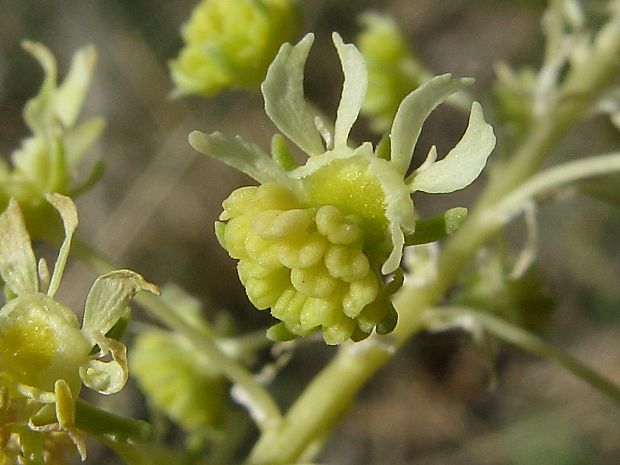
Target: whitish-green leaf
(462,165)
(68,213)
(18,266)
(70,95)
(353,89)
(239,154)
(107,299)
(285,104)
(413,111)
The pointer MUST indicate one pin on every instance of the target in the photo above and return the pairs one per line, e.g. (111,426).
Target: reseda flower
(230,43)
(315,241)
(47,160)
(44,355)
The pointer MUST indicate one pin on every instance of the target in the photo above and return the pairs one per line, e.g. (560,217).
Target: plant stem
(327,397)
(255,397)
(531,343)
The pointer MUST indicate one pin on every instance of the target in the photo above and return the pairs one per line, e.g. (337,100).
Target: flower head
(314,242)
(230,43)
(47,160)
(44,355)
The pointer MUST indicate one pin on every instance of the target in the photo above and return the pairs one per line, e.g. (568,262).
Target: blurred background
(442,400)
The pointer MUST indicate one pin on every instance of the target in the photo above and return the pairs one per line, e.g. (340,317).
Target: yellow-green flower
(47,160)
(230,43)
(44,355)
(315,242)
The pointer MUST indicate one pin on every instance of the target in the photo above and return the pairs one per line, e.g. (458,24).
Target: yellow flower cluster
(307,264)
(230,43)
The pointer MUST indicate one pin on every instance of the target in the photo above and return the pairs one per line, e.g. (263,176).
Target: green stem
(531,343)
(254,396)
(105,424)
(327,397)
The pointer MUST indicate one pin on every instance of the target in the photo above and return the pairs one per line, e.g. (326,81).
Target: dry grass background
(155,207)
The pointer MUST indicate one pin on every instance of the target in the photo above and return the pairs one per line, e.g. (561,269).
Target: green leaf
(18,266)
(68,213)
(462,165)
(353,89)
(413,111)
(239,154)
(107,299)
(432,229)
(285,104)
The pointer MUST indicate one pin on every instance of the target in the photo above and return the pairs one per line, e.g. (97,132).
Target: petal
(39,109)
(68,213)
(413,111)
(107,377)
(107,299)
(285,104)
(70,94)
(462,165)
(18,266)
(239,154)
(353,89)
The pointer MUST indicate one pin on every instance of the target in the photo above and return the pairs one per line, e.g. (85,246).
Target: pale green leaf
(68,213)
(353,89)
(70,94)
(462,165)
(18,266)
(107,299)
(285,104)
(239,154)
(413,111)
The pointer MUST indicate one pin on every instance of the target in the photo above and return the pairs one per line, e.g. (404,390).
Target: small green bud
(230,43)
(393,68)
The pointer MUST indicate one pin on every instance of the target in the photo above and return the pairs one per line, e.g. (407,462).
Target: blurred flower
(393,68)
(44,355)
(314,241)
(47,161)
(230,43)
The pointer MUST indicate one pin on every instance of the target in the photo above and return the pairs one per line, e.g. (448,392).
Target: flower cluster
(47,160)
(230,43)
(314,242)
(44,355)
